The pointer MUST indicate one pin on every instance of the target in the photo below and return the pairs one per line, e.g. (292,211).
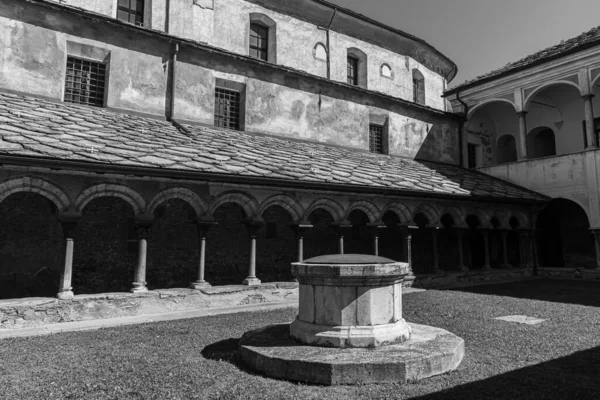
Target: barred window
(85,82)
(352,71)
(259,42)
(376,138)
(227,108)
(131,11)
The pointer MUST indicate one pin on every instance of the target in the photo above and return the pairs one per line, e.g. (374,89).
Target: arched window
(320,52)
(357,73)
(418,87)
(262,38)
(506,149)
(386,71)
(541,143)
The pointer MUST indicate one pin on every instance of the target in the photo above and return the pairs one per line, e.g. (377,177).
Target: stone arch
(506,149)
(286,202)
(401,210)
(541,142)
(367,207)
(483,216)
(244,200)
(429,211)
(36,185)
(522,219)
(320,51)
(458,216)
(487,102)
(538,89)
(331,206)
(111,190)
(186,195)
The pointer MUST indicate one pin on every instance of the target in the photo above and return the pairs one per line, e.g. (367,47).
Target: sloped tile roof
(40,128)
(587,38)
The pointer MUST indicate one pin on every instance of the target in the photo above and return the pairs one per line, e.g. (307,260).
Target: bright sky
(482,35)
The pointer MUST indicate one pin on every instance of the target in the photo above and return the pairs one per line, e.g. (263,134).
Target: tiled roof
(40,128)
(588,38)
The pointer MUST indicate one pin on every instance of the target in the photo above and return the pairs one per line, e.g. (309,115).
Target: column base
(139,288)
(464,269)
(65,295)
(200,285)
(487,268)
(251,281)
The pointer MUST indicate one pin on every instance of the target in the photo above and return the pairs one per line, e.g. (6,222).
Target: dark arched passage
(541,143)
(506,149)
(31,246)
(322,238)
(276,246)
(360,240)
(563,237)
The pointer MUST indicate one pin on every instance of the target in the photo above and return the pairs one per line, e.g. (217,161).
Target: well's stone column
(350,301)
(69,222)
(143,223)
(203,227)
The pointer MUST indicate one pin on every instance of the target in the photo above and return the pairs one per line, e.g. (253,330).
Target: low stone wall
(570,273)
(474,277)
(31,312)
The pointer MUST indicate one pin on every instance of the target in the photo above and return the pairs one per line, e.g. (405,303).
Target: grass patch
(191,359)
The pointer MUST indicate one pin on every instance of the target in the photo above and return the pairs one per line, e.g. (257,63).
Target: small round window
(320,52)
(386,71)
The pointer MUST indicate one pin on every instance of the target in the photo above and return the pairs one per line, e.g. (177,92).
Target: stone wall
(225,24)
(276,102)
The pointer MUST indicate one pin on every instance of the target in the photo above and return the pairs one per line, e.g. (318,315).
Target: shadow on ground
(585,293)
(571,377)
(225,350)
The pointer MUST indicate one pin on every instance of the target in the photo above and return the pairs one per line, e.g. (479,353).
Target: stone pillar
(375,233)
(203,226)
(505,263)
(460,234)
(253,228)
(436,255)
(522,145)
(524,248)
(407,234)
(300,229)
(590,128)
(143,223)
(69,222)
(341,228)
(486,247)
(596,234)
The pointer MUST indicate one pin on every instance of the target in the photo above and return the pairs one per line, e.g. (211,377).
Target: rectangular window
(376,138)
(85,82)
(227,108)
(472,150)
(259,42)
(352,71)
(131,11)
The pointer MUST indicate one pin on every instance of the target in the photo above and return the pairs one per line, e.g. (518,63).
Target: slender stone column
(486,245)
(505,263)
(203,227)
(69,222)
(300,229)
(524,248)
(407,234)
(596,234)
(461,256)
(590,128)
(143,223)
(436,254)
(341,228)
(375,232)
(253,228)
(522,147)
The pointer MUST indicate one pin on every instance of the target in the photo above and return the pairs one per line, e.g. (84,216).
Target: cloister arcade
(116,237)
(551,119)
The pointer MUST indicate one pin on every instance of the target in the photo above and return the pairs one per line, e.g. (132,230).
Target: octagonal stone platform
(430,351)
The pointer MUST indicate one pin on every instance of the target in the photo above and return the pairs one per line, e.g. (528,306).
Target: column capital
(301,227)
(143,223)
(253,225)
(588,96)
(522,113)
(203,225)
(69,221)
